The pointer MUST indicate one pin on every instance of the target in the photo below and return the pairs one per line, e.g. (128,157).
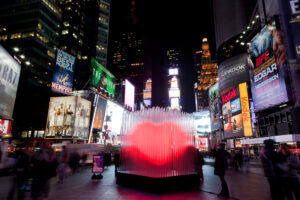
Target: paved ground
(242,186)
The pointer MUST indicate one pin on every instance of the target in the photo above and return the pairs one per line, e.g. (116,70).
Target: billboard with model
(102,78)
(268,68)
(63,73)
(9,79)
(68,117)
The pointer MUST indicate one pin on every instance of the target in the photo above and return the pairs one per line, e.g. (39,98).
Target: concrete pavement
(80,186)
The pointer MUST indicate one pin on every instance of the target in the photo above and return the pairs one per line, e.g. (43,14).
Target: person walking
(246,161)
(62,160)
(117,160)
(289,176)
(270,160)
(44,165)
(220,168)
(200,163)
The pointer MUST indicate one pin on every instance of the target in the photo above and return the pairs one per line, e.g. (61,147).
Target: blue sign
(63,73)
(235,105)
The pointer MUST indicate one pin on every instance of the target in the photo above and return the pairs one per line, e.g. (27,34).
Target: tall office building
(29,30)
(84,34)
(174,61)
(206,70)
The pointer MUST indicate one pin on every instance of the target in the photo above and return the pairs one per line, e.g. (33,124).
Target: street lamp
(16,49)
(22,56)
(27,63)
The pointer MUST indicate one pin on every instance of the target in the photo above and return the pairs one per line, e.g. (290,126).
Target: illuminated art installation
(157,143)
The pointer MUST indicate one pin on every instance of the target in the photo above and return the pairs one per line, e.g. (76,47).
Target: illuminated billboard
(129,95)
(101,79)
(100,112)
(174,93)
(63,73)
(201,143)
(5,126)
(202,122)
(68,117)
(214,106)
(268,68)
(173,71)
(9,79)
(236,112)
(113,120)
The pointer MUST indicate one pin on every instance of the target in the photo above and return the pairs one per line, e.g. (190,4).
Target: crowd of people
(36,166)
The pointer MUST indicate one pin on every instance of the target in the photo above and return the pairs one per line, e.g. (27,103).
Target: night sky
(168,24)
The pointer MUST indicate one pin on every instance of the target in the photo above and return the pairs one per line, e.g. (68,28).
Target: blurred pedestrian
(74,161)
(270,160)
(63,163)
(117,160)
(200,163)
(220,168)
(289,176)
(21,173)
(44,165)
(246,161)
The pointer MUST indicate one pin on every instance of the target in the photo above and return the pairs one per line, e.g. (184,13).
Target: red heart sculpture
(158,144)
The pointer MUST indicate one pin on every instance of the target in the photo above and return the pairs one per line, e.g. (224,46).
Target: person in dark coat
(117,160)
(200,163)
(270,160)
(220,168)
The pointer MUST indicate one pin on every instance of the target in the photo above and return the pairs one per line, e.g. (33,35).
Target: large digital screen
(233,71)
(113,119)
(129,95)
(174,93)
(214,106)
(202,122)
(268,68)
(173,71)
(102,78)
(9,79)
(236,112)
(5,126)
(63,73)
(201,142)
(100,112)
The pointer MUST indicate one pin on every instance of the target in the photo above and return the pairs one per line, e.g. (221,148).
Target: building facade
(206,71)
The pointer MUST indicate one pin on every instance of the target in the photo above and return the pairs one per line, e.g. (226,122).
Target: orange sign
(245,110)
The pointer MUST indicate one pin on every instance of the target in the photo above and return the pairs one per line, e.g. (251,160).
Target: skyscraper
(30,29)
(206,70)
(173,60)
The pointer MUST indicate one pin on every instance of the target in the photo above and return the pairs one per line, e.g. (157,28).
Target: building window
(65,32)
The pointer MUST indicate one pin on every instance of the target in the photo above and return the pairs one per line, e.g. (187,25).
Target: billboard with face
(214,106)
(9,79)
(102,78)
(63,73)
(268,68)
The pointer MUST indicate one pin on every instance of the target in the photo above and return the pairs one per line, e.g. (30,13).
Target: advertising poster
(201,142)
(100,112)
(236,112)
(214,106)
(61,116)
(233,71)
(268,68)
(102,78)
(129,95)
(9,79)
(82,118)
(235,105)
(63,73)
(113,119)
(5,126)
(97,164)
(202,122)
